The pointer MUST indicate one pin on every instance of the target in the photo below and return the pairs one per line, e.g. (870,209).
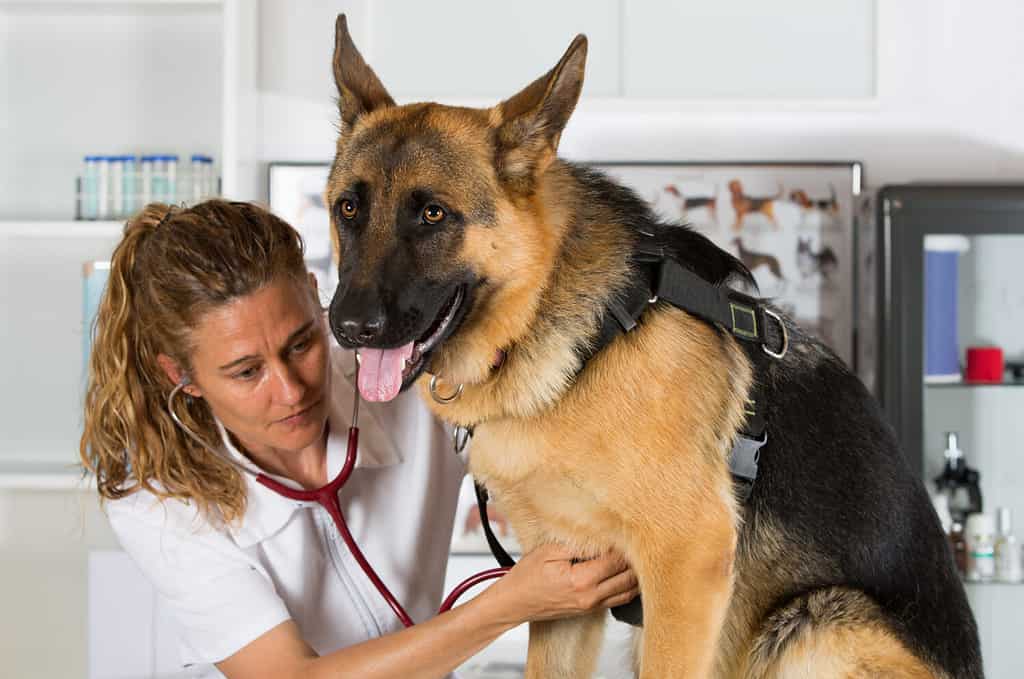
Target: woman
(210,312)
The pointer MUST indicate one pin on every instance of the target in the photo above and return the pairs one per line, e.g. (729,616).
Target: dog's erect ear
(359,89)
(531,122)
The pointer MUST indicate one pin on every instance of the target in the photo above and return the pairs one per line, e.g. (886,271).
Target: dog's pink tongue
(380,372)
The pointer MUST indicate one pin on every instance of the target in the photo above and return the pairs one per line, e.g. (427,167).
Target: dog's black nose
(361,331)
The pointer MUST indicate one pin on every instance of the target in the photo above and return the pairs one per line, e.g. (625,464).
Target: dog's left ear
(531,122)
(359,89)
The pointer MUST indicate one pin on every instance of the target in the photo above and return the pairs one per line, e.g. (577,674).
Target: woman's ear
(175,374)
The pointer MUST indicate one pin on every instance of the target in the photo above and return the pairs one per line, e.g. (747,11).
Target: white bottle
(129,186)
(981,539)
(116,190)
(90,188)
(1007,551)
(172,179)
(197,179)
(103,210)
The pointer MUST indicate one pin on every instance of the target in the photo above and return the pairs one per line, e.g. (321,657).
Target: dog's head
(437,224)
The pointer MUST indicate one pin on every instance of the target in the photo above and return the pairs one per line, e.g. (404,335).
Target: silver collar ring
(443,399)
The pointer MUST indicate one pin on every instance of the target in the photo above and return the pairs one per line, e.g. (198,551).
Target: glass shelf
(971,385)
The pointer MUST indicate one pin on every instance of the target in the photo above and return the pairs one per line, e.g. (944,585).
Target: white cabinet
(41,336)
(102,78)
(741,50)
(96,77)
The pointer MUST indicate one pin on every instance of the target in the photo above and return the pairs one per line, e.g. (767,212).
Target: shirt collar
(267,512)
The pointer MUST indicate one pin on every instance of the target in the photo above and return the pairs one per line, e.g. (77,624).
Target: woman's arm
(544,585)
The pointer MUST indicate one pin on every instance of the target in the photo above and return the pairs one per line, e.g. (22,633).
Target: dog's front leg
(686,587)
(565,649)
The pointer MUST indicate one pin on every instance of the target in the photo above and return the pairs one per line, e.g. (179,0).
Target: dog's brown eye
(432,214)
(348,208)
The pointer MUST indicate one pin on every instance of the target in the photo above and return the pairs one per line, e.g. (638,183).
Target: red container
(985,364)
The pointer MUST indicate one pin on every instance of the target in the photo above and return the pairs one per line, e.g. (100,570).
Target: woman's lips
(299,417)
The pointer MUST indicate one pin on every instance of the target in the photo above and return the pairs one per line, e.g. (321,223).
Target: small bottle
(210,179)
(960,483)
(198,178)
(146,164)
(90,199)
(1007,551)
(172,178)
(959,546)
(129,186)
(103,208)
(116,186)
(160,180)
(981,539)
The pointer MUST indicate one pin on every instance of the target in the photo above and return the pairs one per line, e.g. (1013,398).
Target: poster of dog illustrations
(295,193)
(792,225)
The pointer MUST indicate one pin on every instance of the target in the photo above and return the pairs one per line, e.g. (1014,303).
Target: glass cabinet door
(951,307)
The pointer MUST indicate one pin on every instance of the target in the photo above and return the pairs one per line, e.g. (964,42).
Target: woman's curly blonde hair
(172,266)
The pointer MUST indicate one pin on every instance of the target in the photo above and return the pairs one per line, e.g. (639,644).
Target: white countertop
(57,476)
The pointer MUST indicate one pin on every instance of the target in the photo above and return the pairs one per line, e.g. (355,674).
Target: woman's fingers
(590,573)
(620,599)
(623,581)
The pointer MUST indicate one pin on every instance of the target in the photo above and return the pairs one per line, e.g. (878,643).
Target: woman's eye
(433,214)
(301,346)
(247,374)
(348,208)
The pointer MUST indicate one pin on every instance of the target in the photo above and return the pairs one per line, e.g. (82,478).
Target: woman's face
(261,363)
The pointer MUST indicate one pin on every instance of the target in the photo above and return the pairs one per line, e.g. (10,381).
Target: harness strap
(500,555)
(661,279)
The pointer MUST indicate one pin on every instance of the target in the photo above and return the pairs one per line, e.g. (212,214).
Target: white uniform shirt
(285,560)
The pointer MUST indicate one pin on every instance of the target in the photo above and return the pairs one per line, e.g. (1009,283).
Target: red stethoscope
(327,497)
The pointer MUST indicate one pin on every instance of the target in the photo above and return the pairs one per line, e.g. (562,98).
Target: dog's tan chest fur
(580,471)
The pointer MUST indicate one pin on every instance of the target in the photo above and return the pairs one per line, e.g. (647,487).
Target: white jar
(981,540)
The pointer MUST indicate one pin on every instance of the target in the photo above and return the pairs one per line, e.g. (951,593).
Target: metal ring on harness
(442,399)
(785,336)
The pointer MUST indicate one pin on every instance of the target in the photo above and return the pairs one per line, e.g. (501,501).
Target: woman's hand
(546,585)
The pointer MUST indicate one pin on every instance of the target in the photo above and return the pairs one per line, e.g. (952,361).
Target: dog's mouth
(383,373)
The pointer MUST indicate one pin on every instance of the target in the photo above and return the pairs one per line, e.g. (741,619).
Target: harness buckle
(785,336)
(744,325)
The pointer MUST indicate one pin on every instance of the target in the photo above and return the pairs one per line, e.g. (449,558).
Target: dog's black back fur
(832,479)
(682,243)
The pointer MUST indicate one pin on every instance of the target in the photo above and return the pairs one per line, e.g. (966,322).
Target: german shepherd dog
(470,253)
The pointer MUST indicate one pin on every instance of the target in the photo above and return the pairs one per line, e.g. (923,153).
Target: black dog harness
(662,279)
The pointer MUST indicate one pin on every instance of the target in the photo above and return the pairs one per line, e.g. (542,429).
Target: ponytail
(171,266)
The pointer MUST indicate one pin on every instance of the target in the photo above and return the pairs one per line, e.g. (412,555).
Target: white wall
(947,103)
(947,106)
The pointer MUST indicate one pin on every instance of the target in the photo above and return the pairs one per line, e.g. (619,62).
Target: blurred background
(898,120)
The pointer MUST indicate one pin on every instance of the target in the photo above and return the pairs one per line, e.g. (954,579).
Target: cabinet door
(952,304)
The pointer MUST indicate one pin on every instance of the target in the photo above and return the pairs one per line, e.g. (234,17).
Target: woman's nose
(290,387)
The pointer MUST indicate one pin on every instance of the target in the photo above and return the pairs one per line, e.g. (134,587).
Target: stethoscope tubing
(327,497)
